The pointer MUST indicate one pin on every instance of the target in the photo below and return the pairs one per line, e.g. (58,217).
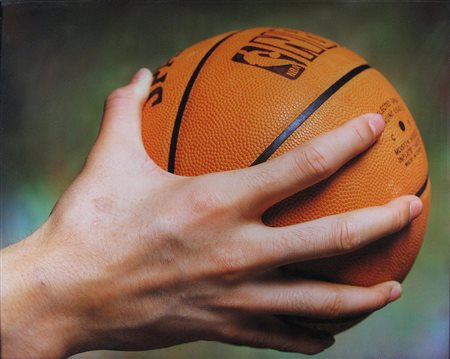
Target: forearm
(32,324)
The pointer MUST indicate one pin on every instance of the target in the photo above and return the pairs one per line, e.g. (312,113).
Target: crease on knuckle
(119,96)
(399,217)
(204,201)
(261,339)
(261,179)
(314,161)
(228,263)
(230,302)
(334,305)
(168,220)
(231,333)
(301,301)
(291,240)
(361,134)
(347,236)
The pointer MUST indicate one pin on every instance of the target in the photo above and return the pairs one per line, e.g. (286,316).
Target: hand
(134,258)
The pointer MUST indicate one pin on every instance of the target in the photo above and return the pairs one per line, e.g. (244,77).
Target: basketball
(245,97)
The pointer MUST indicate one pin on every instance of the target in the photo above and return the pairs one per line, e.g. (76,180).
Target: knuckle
(230,302)
(379,299)
(291,240)
(228,262)
(166,224)
(399,217)
(119,95)
(347,236)
(301,301)
(204,200)
(361,134)
(261,340)
(334,305)
(314,161)
(231,333)
(259,177)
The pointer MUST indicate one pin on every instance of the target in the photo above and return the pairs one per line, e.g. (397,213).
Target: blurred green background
(60,60)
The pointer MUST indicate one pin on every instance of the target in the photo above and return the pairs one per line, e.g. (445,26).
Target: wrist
(32,323)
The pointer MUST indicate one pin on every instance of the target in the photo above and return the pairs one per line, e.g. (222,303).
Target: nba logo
(270,60)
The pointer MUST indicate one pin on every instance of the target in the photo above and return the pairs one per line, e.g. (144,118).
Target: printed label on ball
(156,94)
(284,52)
(405,138)
(409,149)
(390,108)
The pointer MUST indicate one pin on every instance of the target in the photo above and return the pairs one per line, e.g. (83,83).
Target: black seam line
(183,103)
(319,101)
(422,188)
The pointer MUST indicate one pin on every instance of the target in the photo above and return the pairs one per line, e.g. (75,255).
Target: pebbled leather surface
(236,110)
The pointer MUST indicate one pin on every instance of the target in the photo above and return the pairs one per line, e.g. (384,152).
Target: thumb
(121,122)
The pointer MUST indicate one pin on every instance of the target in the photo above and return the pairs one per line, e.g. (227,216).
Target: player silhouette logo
(273,61)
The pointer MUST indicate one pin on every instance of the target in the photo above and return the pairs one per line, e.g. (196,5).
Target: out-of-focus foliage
(60,59)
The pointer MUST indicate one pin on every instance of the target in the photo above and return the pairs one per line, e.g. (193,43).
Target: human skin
(135,258)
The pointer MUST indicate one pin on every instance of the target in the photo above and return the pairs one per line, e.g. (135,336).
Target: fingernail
(415,207)
(376,123)
(396,292)
(141,74)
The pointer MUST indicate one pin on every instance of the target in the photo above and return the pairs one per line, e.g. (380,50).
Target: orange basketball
(245,97)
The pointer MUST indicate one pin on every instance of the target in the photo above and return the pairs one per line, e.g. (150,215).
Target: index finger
(259,187)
